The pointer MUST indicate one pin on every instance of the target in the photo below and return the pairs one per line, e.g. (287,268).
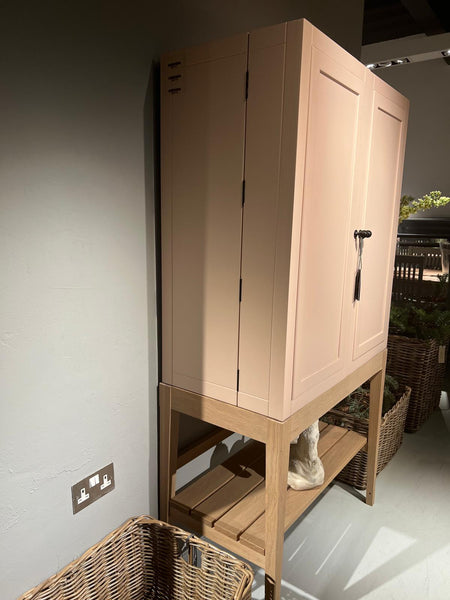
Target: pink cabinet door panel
(322,319)
(203,146)
(380,215)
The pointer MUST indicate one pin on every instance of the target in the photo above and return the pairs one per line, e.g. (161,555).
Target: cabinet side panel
(380,215)
(205,144)
(262,172)
(322,315)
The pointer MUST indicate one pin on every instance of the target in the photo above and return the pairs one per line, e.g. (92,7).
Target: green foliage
(389,397)
(357,403)
(358,407)
(422,321)
(409,205)
(442,291)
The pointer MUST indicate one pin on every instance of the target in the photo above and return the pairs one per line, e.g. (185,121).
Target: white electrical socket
(83,497)
(106,482)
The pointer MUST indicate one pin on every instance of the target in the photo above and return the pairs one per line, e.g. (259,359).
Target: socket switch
(92,487)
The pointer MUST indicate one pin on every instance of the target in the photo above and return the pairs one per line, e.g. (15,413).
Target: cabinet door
(202,146)
(322,341)
(264,197)
(380,215)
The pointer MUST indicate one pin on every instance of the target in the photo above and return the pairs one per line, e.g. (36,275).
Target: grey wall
(77,259)
(78,367)
(196,21)
(427,86)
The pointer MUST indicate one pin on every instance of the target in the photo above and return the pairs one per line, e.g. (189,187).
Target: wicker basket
(415,363)
(391,437)
(146,559)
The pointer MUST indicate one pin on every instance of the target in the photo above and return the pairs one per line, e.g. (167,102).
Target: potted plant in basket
(417,348)
(419,332)
(353,413)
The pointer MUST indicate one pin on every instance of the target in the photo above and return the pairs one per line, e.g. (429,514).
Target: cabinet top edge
(229,45)
(209,51)
(390,92)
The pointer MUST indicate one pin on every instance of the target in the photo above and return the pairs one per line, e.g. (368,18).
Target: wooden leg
(277,464)
(168,449)
(376,404)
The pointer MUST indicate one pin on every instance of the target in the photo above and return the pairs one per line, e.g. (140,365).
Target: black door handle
(362,233)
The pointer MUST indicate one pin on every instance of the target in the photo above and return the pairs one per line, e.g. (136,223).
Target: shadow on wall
(152,173)
(152,184)
(221,452)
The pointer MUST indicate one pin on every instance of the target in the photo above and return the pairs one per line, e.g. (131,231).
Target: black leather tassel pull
(357,294)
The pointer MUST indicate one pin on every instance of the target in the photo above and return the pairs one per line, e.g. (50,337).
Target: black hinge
(243,192)
(246,85)
(240,289)
(237,382)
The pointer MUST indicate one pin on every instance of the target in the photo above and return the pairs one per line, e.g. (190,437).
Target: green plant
(424,321)
(391,386)
(409,205)
(357,403)
(442,287)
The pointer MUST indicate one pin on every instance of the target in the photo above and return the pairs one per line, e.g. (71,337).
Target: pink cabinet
(276,146)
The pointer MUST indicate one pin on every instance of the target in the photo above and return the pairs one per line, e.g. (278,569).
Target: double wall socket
(92,487)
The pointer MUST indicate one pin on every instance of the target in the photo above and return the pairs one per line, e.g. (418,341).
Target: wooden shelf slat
(204,487)
(334,461)
(329,436)
(230,494)
(241,516)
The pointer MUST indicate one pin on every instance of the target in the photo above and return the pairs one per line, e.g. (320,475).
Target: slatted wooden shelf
(228,502)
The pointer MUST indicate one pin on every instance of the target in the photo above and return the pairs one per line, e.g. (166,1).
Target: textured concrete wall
(76,353)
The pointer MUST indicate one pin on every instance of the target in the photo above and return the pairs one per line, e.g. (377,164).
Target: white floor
(398,549)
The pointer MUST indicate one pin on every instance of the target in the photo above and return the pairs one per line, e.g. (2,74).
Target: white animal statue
(305,467)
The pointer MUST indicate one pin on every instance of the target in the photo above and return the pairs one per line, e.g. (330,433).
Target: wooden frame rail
(200,446)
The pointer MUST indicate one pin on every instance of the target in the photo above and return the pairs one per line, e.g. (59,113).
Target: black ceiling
(392,19)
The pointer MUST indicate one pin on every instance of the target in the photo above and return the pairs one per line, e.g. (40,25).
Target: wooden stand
(240,505)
